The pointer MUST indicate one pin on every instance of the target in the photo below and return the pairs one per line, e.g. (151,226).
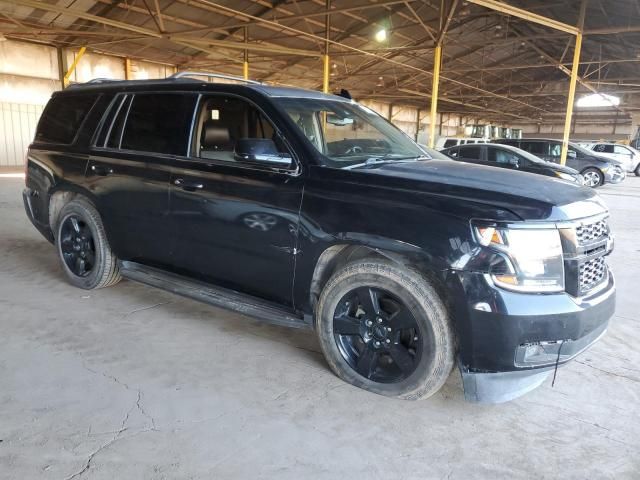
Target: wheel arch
(408,256)
(62,194)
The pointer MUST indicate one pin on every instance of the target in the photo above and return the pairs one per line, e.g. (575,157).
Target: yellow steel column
(325,57)
(437,59)
(127,69)
(570,99)
(73,66)
(245,65)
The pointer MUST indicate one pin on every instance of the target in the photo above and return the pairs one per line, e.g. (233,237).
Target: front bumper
(615,175)
(513,339)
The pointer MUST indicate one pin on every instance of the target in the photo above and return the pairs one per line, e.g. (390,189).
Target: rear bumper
(30,209)
(514,339)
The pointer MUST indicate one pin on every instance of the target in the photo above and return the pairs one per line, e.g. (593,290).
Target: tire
(430,346)
(637,171)
(81,241)
(592,177)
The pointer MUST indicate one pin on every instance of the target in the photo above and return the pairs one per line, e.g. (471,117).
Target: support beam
(73,66)
(245,64)
(437,60)
(159,13)
(325,58)
(572,84)
(526,15)
(127,69)
(571,99)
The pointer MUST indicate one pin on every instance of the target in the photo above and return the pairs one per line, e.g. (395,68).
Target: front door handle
(102,171)
(188,186)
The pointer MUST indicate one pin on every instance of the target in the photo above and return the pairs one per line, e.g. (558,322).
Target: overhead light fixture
(598,100)
(381,35)
(380,82)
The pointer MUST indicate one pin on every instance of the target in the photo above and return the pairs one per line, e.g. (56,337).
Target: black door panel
(133,195)
(236,226)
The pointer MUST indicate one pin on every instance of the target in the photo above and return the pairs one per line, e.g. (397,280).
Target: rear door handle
(102,171)
(188,186)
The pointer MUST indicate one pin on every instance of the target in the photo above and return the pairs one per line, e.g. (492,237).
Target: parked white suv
(628,156)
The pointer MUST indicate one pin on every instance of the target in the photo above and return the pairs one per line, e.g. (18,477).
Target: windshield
(580,149)
(348,134)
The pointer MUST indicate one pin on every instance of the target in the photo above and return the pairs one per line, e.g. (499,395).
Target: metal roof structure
(494,63)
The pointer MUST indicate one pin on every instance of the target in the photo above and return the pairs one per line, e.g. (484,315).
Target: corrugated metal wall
(17,127)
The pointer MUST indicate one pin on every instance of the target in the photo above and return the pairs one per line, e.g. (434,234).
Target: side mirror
(260,150)
(572,154)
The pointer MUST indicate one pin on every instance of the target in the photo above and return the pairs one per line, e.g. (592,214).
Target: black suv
(596,169)
(506,156)
(310,210)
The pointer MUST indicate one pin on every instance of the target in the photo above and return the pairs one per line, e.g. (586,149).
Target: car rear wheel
(637,171)
(83,248)
(384,328)
(592,177)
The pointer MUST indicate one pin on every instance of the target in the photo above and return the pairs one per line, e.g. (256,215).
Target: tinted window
(453,152)
(159,123)
(604,148)
(63,116)
(555,149)
(498,155)
(537,148)
(474,153)
(450,143)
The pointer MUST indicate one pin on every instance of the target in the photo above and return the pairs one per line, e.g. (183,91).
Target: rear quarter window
(63,117)
(450,143)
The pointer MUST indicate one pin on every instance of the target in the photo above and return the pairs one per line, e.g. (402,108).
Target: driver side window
(232,130)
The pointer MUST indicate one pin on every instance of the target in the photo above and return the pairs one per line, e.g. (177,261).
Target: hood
(561,168)
(528,196)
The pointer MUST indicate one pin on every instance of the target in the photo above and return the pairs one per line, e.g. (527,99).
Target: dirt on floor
(130,382)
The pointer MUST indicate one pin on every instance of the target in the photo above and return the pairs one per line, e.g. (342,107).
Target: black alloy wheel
(377,335)
(77,246)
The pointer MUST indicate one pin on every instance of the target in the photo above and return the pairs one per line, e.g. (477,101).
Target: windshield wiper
(376,161)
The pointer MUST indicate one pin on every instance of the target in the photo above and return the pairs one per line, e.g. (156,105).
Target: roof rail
(94,81)
(187,73)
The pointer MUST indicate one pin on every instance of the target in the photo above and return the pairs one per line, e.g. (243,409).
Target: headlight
(566,176)
(534,260)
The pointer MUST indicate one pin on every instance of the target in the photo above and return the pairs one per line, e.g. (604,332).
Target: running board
(216,296)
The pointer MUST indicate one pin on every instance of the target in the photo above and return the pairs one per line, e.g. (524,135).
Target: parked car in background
(629,157)
(433,153)
(596,169)
(506,156)
(446,142)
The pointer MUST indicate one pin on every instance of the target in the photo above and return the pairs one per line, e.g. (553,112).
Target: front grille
(592,272)
(585,245)
(591,232)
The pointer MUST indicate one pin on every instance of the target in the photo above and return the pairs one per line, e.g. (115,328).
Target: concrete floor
(131,382)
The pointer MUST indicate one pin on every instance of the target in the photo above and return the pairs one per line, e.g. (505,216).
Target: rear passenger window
(537,148)
(63,117)
(472,153)
(158,123)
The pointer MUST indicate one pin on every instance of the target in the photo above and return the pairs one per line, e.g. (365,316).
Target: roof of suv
(195,84)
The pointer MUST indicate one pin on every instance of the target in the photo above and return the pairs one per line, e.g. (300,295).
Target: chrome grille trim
(591,273)
(590,232)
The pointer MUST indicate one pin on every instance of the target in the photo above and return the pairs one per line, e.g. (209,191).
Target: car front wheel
(385,329)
